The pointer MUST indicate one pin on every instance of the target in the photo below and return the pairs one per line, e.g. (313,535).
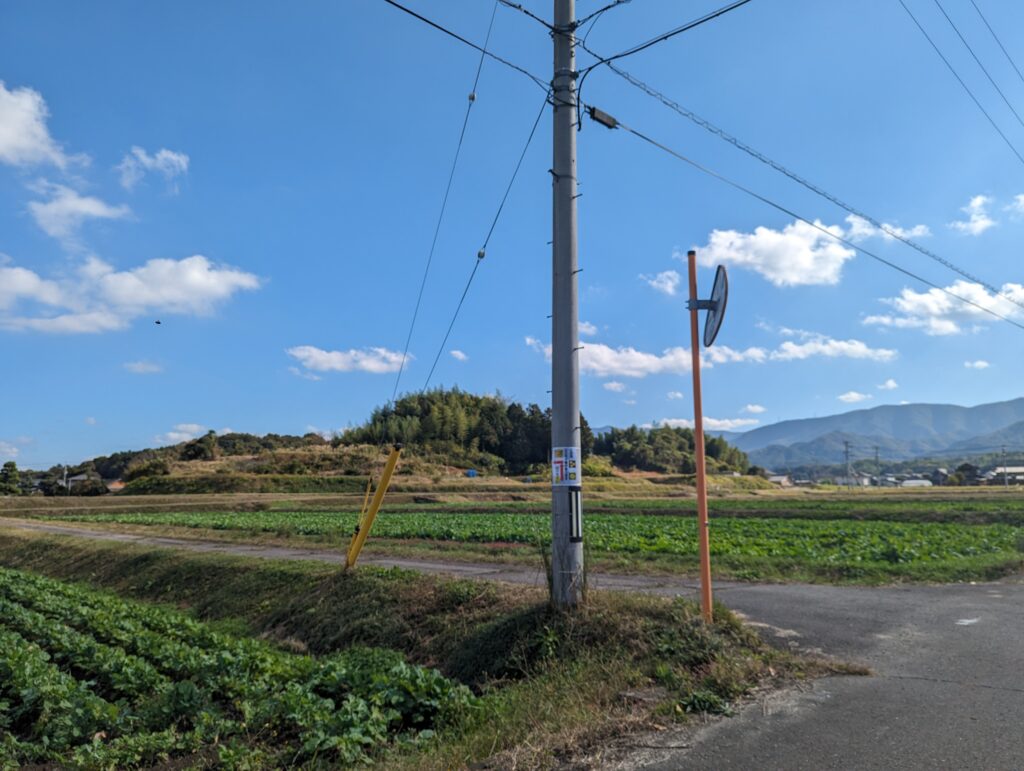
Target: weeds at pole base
(550,684)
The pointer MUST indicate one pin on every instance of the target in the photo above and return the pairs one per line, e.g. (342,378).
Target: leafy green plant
(177,685)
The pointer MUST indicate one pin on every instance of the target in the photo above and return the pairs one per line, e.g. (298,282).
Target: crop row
(820,541)
(92,680)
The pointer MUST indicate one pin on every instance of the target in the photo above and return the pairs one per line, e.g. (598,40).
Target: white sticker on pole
(566,468)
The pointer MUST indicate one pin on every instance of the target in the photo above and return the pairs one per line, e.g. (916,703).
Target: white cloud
(375,360)
(604,361)
(625,361)
(832,349)
(753,409)
(665,282)
(7,450)
(978,219)
(63,214)
(182,432)
(24,138)
(99,298)
(586,328)
(797,255)
(143,367)
(710,424)
(458,355)
(90,421)
(675,395)
(613,385)
(303,374)
(189,286)
(630,402)
(889,385)
(852,397)
(135,164)
(938,313)
(860,229)
(1016,205)
(23,284)
(978,364)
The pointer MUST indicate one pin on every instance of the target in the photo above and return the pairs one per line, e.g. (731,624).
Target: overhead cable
(960,80)
(670,34)
(487,239)
(483,51)
(976,59)
(756,154)
(999,42)
(815,225)
(444,202)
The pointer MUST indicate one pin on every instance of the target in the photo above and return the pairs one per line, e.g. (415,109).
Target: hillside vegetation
(442,431)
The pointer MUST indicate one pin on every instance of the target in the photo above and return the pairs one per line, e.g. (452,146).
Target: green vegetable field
(93,681)
(823,542)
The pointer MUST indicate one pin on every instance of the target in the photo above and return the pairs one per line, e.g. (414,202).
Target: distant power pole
(878,469)
(1006,471)
(849,472)
(566,456)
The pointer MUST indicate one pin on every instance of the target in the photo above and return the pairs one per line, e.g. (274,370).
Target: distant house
(782,480)
(857,480)
(77,479)
(1013,475)
(113,485)
(916,483)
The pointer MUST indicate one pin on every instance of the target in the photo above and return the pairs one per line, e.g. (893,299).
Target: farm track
(503,573)
(948,690)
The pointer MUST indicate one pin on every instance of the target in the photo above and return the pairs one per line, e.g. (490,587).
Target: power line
(999,42)
(642,46)
(670,34)
(959,80)
(483,51)
(487,239)
(526,12)
(595,15)
(983,68)
(444,201)
(611,122)
(756,154)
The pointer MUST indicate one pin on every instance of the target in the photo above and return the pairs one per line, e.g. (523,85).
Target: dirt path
(949,690)
(512,574)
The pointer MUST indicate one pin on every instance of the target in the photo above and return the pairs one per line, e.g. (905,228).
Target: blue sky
(264,179)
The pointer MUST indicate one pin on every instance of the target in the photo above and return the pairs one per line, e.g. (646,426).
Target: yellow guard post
(367,516)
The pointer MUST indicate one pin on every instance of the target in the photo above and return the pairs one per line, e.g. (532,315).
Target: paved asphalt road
(948,690)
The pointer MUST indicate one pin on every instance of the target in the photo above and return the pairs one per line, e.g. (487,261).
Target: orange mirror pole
(698,440)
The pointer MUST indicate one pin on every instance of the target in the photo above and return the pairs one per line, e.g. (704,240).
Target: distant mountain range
(900,432)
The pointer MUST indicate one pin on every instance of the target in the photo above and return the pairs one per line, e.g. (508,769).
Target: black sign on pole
(576,514)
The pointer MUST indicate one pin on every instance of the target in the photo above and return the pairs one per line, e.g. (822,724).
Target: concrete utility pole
(849,473)
(566,458)
(1006,473)
(878,469)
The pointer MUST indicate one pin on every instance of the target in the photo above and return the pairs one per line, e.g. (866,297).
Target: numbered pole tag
(566,466)
(575,514)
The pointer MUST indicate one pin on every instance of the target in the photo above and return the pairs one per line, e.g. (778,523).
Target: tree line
(452,426)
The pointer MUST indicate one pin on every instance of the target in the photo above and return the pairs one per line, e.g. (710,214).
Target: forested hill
(440,428)
(517,438)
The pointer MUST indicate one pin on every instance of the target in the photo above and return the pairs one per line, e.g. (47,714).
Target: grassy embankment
(549,685)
